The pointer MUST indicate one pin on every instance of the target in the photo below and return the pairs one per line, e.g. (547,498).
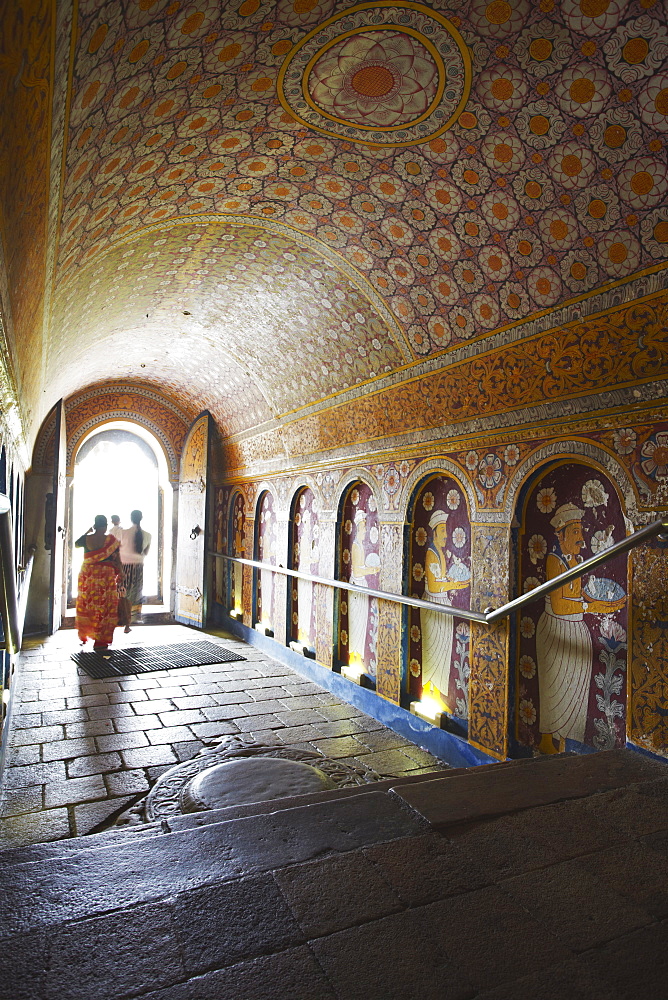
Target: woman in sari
(135,543)
(97,599)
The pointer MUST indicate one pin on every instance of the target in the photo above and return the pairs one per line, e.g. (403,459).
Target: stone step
(107,878)
(483,793)
(198,819)
(123,835)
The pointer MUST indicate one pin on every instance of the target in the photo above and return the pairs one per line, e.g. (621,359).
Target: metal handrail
(12,604)
(490,615)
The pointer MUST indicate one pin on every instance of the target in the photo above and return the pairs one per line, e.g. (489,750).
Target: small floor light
(428,710)
(353,671)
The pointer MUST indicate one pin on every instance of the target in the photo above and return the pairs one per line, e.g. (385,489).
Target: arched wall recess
(578,451)
(446,467)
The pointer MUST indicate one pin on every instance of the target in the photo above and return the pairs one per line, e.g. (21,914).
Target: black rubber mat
(141,659)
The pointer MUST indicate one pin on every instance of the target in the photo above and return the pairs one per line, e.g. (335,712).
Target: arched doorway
(118,468)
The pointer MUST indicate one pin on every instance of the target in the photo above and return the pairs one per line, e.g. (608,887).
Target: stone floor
(82,750)
(548,881)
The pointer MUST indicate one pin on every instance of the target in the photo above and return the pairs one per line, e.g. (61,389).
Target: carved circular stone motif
(215,777)
(254,779)
(393,75)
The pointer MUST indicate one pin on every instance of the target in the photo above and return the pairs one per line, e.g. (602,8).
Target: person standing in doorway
(116,528)
(97,598)
(135,543)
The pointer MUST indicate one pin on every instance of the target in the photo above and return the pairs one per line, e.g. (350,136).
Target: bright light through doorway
(114,474)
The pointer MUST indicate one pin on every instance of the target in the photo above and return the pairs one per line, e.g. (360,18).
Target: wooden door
(55,522)
(192,525)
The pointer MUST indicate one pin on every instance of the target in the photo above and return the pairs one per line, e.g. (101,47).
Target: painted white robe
(564,652)
(437,632)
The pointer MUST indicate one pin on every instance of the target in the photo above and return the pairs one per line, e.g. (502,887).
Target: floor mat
(141,659)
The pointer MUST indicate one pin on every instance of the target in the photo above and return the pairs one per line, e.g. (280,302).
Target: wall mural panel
(440,571)
(237,549)
(571,669)
(305,557)
(632,447)
(265,552)
(648,720)
(219,569)
(359,564)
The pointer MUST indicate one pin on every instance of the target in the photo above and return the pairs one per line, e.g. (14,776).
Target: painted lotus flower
(418,571)
(372,505)
(415,633)
(415,667)
(459,537)
(345,556)
(527,627)
(652,102)
(527,666)
(453,499)
(583,90)
(636,49)
(610,629)
(421,537)
(392,482)
(572,165)
(624,440)
(619,253)
(537,548)
(602,540)
(490,471)
(527,712)
(530,583)
(343,637)
(593,494)
(471,460)
(381,78)
(428,501)
(355,496)
(654,456)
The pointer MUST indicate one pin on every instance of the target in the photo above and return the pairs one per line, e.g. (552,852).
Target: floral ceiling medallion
(388,74)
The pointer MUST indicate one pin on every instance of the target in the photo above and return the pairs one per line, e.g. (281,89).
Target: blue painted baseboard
(442,744)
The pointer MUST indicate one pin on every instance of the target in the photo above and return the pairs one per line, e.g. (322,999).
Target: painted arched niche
(571,645)
(304,557)
(359,562)
(265,551)
(439,568)
(221,499)
(237,547)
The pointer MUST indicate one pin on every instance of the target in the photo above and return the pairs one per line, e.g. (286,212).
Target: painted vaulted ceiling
(258,206)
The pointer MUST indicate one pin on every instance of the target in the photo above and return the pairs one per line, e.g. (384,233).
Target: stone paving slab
(163,715)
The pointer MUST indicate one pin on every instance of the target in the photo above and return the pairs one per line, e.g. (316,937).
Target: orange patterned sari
(97,601)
